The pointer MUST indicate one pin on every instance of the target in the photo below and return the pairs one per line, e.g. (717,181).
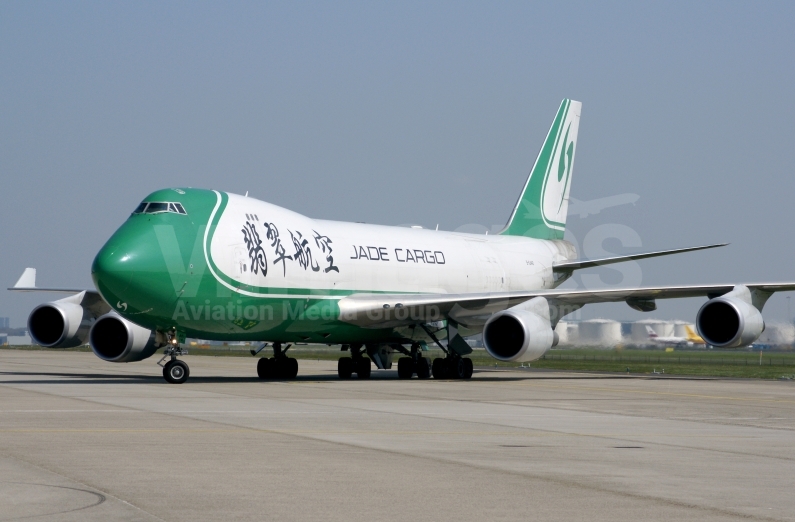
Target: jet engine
(115,339)
(522,333)
(60,324)
(730,321)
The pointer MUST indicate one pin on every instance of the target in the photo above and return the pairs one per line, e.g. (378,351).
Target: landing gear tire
(405,368)
(468,368)
(423,368)
(281,368)
(439,368)
(363,368)
(457,368)
(176,372)
(265,368)
(289,368)
(345,367)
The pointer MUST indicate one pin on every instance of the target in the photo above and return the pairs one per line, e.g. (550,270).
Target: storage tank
(567,333)
(779,334)
(680,328)
(604,333)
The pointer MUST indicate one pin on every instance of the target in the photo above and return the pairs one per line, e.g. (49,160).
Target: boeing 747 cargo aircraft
(212,265)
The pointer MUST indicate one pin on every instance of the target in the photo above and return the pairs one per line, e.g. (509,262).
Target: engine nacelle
(115,339)
(60,324)
(730,321)
(522,333)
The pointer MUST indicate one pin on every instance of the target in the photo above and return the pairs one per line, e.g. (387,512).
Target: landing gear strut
(174,371)
(279,366)
(453,366)
(356,363)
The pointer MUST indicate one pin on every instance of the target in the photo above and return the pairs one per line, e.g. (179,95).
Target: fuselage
(226,267)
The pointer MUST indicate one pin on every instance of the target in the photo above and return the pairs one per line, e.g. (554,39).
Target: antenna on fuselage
(246,194)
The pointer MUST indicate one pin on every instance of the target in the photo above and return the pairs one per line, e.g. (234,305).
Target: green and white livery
(212,265)
(541,210)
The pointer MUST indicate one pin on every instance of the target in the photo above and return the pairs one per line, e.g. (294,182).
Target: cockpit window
(156,207)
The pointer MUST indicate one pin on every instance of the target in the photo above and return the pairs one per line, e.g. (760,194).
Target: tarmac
(81,439)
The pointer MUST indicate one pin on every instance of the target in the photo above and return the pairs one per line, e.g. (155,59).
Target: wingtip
(27,279)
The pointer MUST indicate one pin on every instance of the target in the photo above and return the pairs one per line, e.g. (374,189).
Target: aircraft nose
(121,267)
(113,270)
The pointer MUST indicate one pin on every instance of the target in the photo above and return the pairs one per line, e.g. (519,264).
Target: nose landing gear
(174,371)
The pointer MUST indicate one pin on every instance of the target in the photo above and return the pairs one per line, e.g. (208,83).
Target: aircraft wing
(391,310)
(27,283)
(87,298)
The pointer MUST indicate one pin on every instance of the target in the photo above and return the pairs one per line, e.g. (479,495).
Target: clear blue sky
(399,113)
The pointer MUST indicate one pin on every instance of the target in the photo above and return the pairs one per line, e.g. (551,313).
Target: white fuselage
(357,257)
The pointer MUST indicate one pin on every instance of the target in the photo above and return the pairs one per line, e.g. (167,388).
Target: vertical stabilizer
(693,336)
(541,210)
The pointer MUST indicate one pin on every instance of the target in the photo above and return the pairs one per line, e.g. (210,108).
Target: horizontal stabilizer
(588,263)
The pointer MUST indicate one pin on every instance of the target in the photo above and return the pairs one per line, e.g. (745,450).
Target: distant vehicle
(691,339)
(760,346)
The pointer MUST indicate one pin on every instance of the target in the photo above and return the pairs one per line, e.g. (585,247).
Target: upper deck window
(157,207)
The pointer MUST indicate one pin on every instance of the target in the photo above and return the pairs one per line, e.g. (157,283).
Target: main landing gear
(279,366)
(356,363)
(174,371)
(453,366)
(414,364)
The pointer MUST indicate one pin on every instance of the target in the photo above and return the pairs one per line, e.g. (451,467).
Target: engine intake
(730,321)
(522,333)
(60,324)
(115,339)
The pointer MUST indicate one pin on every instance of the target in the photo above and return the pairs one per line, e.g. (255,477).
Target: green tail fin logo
(541,210)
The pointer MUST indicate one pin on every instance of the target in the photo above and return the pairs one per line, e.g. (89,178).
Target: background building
(599,332)
(20,340)
(606,333)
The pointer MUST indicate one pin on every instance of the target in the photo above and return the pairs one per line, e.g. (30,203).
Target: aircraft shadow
(99,378)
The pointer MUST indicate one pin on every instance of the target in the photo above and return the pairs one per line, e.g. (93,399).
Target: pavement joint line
(313,435)
(616,437)
(547,477)
(524,433)
(637,415)
(667,394)
(529,381)
(76,481)
(102,498)
(613,437)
